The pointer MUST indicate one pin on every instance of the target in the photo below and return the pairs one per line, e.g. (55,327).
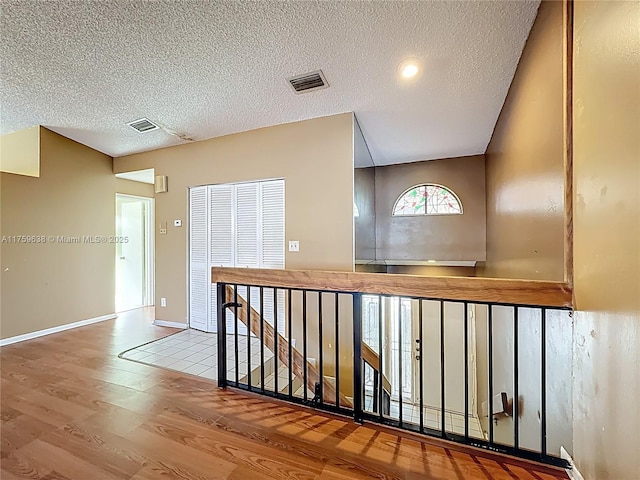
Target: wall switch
(294,246)
(163,302)
(163,228)
(177,223)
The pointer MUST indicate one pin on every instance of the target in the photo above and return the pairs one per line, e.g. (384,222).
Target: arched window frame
(436,185)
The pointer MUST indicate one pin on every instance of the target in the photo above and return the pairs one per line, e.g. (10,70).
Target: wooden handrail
(471,289)
(297,360)
(372,358)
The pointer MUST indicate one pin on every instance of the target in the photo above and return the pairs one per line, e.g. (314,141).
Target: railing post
(222,336)
(357,357)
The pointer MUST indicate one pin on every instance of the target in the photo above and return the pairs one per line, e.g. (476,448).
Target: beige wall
(315,157)
(365,222)
(438,237)
(129,187)
(50,284)
(606,363)
(524,162)
(20,152)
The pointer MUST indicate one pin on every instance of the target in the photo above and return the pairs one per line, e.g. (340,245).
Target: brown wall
(524,162)
(606,364)
(315,157)
(51,284)
(365,223)
(438,237)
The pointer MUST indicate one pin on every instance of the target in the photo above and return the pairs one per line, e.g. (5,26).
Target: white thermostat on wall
(177,223)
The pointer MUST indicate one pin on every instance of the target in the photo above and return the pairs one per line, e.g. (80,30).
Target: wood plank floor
(72,410)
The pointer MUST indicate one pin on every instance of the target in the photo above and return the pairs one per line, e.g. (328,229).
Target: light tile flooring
(195,352)
(432,417)
(189,351)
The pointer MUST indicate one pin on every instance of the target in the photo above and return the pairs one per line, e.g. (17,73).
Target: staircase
(270,339)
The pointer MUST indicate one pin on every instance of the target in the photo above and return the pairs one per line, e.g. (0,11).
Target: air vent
(308,82)
(143,125)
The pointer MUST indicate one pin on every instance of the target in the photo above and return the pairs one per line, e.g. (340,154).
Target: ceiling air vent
(308,82)
(143,125)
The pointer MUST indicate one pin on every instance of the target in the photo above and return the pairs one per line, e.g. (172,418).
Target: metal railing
(463,353)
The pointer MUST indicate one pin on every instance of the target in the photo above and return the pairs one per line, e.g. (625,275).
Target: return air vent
(308,82)
(143,125)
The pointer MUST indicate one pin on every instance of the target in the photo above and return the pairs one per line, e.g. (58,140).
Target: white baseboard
(572,472)
(166,323)
(60,328)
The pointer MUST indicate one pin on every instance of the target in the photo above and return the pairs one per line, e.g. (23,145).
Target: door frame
(149,246)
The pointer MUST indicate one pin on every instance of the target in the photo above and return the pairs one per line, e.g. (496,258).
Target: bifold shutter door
(221,241)
(272,239)
(199,277)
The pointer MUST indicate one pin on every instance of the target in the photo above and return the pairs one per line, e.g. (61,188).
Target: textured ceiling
(208,68)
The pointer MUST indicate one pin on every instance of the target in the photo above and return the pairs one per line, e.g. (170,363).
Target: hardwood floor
(71,409)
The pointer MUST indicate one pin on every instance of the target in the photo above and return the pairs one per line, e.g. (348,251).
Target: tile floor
(195,352)
(189,351)
(432,417)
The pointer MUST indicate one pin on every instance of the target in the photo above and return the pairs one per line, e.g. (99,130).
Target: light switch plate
(294,246)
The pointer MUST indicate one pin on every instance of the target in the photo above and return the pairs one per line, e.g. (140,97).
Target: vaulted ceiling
(202,69)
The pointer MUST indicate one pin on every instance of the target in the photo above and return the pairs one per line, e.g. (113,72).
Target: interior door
(130,260)
(454,359)
(199,282)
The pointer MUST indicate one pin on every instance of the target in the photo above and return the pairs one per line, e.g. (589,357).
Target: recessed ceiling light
(409,68)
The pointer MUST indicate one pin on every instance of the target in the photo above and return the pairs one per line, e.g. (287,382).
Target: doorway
(134,252)
(395,322)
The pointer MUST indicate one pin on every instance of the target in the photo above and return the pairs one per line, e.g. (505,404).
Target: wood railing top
(471,289)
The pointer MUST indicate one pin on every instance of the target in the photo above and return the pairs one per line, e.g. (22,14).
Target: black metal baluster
(320,353)
(235,333)
(304,343)
(222,339)
(420,368)
(337,344)
(442,379)
(400,382)
(290,346)
(275,341)
(543,373)
(380,393)
(249,322)
(516,426)
(466,370)
(490,355)
(262,339)
(357,357)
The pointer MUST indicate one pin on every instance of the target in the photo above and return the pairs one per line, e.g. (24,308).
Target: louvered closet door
(199,279)
(247,240)
(272,244)
(221,240)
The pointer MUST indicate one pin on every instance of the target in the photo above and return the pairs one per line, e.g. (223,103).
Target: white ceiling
(208,68)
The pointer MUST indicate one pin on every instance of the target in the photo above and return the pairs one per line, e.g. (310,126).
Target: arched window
(427,199)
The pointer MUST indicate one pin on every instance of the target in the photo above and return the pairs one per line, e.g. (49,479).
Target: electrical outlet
(294,246)
(163,302)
